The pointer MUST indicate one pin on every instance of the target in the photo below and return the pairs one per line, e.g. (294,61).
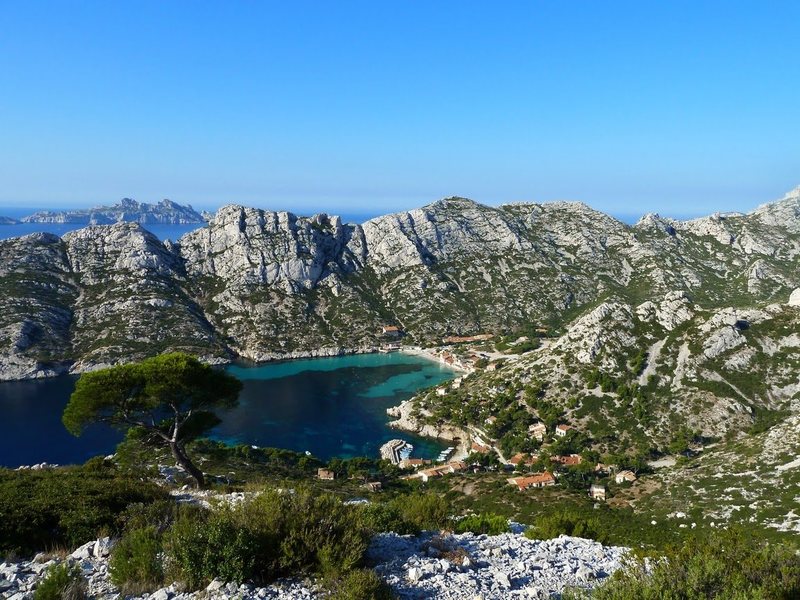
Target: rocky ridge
(262,285)
(430,565)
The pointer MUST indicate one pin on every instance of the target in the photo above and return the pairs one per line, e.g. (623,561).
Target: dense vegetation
(728,565)
(56,508)
(273,533)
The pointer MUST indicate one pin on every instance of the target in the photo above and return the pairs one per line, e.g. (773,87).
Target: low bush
(136,565)
(49,508)
(386,516)
(159,514)
(425,511)
(211,545)
(565,522)
(360,584)
(487,523)
(61,582)
(267,536)
(727,565)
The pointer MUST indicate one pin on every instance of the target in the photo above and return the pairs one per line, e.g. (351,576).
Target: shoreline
(432,355)
(403,421)
(77,367)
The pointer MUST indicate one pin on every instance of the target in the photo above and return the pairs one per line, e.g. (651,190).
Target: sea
(330,407)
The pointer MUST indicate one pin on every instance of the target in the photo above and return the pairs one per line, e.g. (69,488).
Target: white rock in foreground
(456,567)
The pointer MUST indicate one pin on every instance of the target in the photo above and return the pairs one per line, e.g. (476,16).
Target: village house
(522,458)
(603,469)
(562,430)
(624,476)
(568,461)
(480,448)
(391,331)
(441,470)
(373,486)
(538,431)
(326,474)
(537,480)
(597,492)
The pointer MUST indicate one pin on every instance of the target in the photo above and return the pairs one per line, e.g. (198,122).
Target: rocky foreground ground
(430,565)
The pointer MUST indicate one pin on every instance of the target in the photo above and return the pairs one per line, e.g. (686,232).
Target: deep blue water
(328,406)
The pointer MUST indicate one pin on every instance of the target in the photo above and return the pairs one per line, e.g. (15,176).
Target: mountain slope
(261,284)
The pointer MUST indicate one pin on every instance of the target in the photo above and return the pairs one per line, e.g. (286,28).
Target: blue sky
(365,107)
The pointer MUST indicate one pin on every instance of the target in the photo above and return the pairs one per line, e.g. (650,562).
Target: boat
(406,451)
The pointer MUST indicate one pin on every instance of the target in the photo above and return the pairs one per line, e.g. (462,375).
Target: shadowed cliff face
(262,284)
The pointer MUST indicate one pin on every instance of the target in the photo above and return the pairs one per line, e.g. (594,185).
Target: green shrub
(68,506)
(61,582)
(425,511)
(136,565)
(361,584)
(202,547)
(322,534)
(387,516)
(487,523)
(565,523)
(159,514)
(726,565)
(267,536)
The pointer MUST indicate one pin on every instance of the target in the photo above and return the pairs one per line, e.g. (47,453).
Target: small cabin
(597,492)
(538,430)
(326,474)
(624,476)
(563,430)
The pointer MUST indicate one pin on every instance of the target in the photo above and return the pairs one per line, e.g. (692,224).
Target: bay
(328,406)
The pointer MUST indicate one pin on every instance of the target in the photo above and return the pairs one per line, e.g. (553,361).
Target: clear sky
(681,107)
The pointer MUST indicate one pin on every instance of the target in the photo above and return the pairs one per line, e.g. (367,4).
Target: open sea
(328,406)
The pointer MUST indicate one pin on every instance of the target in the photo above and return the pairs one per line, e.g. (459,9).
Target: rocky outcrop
(127,210)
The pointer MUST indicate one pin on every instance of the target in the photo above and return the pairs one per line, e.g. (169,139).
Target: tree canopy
(170,398)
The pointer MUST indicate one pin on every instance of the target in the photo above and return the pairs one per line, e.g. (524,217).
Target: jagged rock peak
(657,222)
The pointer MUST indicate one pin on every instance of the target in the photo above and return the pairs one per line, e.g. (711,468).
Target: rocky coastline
(403,420)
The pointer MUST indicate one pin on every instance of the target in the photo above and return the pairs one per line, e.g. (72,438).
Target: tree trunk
(183,460)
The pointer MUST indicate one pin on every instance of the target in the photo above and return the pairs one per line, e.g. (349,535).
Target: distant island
(8,221)
(165,212)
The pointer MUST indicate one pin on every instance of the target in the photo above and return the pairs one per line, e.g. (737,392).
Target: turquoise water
(328,406)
